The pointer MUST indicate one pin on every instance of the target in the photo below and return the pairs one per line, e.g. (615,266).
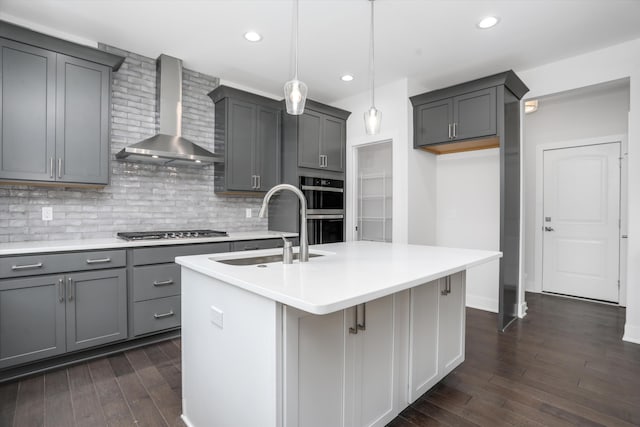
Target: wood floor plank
(58,408)
(87,410)
(8,398)
(30,402)
(114,406)
(444,416)
(411,417)
(144,410)
(166,367)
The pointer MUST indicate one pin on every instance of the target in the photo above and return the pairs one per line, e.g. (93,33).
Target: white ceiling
(435,42)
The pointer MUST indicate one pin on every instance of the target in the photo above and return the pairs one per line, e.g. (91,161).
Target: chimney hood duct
(169,147)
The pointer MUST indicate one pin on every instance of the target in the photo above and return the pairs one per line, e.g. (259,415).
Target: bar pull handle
(59,167)
(258,182)
(98,261)
(162,282)
(70,289)
(354,329)
(624,236)
(444,291)
(450,134)
(548,229)
(363,326)
(26,266)
(160,316)
(51,167)
(61,290)
(455,130)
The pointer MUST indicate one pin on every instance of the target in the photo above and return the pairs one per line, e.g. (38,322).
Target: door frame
(538,246)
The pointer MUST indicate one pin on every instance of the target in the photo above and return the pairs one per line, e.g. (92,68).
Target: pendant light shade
(295,91)
(373,116)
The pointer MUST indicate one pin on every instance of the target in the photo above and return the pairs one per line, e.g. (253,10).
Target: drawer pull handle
(98,261)
(162,282)
(26,267)
(160,316)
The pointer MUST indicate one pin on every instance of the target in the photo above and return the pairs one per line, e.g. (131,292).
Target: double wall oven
(325,209)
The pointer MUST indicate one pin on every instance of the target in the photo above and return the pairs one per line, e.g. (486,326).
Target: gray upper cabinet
(247,131)
(321,141)
(55,101)
(468,116)
(27,106)
(82,116)
(32,319)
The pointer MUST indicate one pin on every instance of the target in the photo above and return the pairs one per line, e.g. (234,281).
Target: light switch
(217,316)
(247,212)
(47,213)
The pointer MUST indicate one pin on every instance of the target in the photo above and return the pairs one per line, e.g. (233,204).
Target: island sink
(257,260)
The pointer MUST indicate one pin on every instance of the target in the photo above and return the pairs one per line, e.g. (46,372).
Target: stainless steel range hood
(169,147)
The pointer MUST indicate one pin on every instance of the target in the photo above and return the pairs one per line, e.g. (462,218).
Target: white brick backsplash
(141,196)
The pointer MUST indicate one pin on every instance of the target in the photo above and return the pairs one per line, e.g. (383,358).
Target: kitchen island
(349,338)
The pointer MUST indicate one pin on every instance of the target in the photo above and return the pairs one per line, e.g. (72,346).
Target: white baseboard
(631,333)
(522,309)
(482,303)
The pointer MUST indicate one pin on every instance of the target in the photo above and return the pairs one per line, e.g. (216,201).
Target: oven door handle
(325,216)
(318,188)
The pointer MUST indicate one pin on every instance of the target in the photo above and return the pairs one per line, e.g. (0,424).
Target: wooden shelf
(459,147)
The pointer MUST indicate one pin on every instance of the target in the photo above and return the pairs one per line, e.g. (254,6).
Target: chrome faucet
(304,245)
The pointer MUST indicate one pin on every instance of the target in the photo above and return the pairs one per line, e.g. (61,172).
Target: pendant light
(372,116)
(295,91)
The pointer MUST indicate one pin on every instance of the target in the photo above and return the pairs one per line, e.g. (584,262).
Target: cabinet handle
(61,290)
(162,282)
(455,130)
(51,167)
(363,326)
(258,185)
(26,266)
(447,289)
(160,316)
(98,261)
(70,289)
(354,329)
(450,135)
(59,167)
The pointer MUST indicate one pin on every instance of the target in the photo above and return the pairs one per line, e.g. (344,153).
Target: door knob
(548,229)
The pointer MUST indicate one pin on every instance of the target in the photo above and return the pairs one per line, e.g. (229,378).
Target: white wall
(468,216)
(600,110)
(613,63)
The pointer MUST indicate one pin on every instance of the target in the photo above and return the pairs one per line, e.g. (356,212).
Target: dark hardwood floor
(564,364)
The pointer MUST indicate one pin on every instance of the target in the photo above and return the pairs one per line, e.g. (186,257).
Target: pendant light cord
(296,42)
(372,57)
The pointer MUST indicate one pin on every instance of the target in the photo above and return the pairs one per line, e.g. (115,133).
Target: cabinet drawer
(156,315)
(31,265)
(156,281)
(165,254)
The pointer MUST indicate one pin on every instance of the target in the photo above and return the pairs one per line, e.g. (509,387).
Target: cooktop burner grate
(171,234)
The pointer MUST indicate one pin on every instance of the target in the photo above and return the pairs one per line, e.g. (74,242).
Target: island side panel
(230,357)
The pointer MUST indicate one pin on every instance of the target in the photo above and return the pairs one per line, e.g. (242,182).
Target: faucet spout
(304,244)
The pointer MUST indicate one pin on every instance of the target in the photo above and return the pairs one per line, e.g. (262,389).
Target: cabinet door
(241,137)
(31,319)
(267,150)
(423,333)
(96,308)
(82,121)
(370,354)
(333,143)
(27,112)
(475,114)
(310,126)
(433,121)
(313,369)
(451,318)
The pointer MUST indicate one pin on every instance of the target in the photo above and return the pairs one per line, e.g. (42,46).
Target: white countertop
(350,273)
(22,248)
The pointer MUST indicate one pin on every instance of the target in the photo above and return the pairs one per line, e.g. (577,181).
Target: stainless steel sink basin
(264,259)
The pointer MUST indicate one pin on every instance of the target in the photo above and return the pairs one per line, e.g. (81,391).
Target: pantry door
(581,237)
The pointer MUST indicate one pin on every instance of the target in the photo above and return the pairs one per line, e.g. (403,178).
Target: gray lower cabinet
(249,245)
(247,132)
(54,125)
(45,316)
(321,141)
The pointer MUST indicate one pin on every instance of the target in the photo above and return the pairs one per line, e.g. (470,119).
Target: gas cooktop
(172,234)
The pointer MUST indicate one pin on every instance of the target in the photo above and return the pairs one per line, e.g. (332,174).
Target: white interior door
(581,221)
(374,192)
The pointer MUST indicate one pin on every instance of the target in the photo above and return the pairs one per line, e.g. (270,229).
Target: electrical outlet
(247,213)
(217,316)
(47,213)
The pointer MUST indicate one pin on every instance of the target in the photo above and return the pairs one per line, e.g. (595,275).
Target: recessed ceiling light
(154,156)
(531,106)
(252,36)
(347,78)
(488,22)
